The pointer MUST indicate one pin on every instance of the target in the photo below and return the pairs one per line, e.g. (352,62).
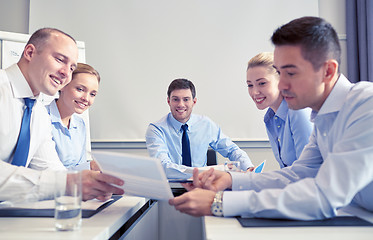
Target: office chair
(211,157)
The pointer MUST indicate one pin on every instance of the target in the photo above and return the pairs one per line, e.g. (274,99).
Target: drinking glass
(68,200)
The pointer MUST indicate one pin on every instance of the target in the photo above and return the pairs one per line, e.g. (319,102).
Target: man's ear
(168,100)
(331,70)
(29,51)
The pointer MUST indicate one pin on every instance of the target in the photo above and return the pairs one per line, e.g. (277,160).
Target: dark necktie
(187,160)
(23,144)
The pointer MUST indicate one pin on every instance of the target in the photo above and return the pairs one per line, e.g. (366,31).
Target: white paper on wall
(12,52)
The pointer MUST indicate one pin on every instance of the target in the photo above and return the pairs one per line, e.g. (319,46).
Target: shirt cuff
(81,166)
(241,181)
(246,165)
(47,183)
(234,203)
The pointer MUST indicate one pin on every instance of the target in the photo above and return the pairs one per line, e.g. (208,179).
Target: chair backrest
(211,157)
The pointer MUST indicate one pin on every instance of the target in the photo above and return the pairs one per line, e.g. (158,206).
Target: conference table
(140,218)
(103,225)
(230,228)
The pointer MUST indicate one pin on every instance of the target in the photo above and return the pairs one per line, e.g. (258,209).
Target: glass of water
(232,166)
(68,200)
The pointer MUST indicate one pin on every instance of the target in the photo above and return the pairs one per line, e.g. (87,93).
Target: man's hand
(99,185)
(94,166)
(212,180)
(197,202)
(196,182)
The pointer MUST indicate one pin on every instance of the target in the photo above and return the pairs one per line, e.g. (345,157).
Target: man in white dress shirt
(46,66)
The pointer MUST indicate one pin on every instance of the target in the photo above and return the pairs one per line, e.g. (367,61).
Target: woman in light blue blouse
(68,128)
(288,130)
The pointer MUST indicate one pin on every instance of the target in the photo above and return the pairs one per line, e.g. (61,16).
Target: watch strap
(217,204)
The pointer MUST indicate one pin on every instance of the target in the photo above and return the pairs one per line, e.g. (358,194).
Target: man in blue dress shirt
(334,170)
(164,137)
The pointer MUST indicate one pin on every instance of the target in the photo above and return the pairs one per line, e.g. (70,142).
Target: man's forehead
(285,66)
(286,56)
(287,50)
(67,47)
(182,91)
(178,96)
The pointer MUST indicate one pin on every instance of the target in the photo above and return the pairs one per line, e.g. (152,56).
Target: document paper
(143,176)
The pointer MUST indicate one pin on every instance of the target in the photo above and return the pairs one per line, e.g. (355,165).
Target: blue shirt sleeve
(156,143)
(224,145)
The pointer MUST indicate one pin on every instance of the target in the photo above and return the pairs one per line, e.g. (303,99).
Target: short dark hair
(40,37)
(316,37)
(181,83)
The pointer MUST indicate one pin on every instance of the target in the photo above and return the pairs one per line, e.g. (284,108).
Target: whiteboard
(140,46)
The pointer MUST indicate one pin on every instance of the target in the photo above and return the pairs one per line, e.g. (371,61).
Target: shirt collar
(56,117)
(336,98)
(282,112)
(54,113)
(177,125)
(20,86)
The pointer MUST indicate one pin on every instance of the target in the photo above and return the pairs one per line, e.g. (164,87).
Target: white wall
(334,11)
(14,17)
(140,46)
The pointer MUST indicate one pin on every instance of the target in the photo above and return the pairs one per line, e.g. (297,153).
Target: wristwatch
(217,204)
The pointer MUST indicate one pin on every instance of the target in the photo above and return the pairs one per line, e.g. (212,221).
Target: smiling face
(263,87)
(300,84)
(78,95)
(181,104)
(50,67)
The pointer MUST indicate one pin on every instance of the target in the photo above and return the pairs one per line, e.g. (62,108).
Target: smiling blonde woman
(288,130)
(68,128)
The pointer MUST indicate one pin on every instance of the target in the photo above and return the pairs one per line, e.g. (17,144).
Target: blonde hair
(264,59)
(85,68)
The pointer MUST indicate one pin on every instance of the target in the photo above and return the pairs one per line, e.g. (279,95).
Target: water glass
(232,166)
(68,200)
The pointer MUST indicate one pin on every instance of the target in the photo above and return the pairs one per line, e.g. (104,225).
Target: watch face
(217,209)
(217,205)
